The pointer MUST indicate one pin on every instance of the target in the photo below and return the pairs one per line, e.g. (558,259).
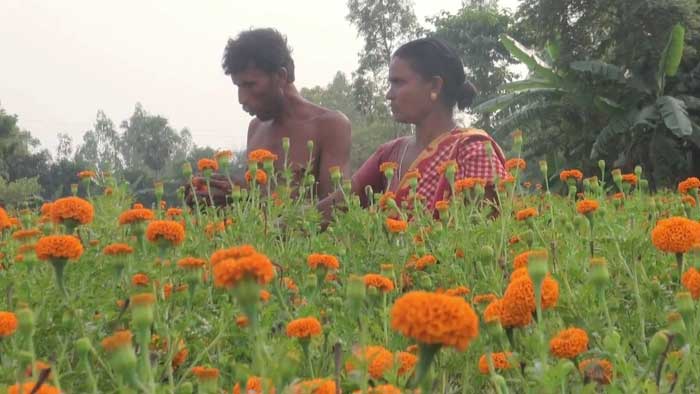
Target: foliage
(13,194)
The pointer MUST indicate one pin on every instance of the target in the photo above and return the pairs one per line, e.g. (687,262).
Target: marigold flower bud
(185,388)
(658,343)
(543,167)
(600,276)
(187,170)
(285,144)
(83,346)
(611,342)
(310,146)
(685,304)
(356,289)
(25,316)
(601,165)
(638,171)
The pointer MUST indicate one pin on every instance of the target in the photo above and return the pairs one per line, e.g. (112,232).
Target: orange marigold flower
(388,165)
(587,206)
(143,299)
(597,370)
(8,324)
(235,252)
(28,388)
(290,284)
(380,389)
(442,205)
(118,249)
(72,208)
(690,200)
(424,261)
(396,226)
(316,260)
(493,311)
(207,164)
(304,328)
(468,184)
(264,295)
(629,178)
(260,177)
(242,321)
(228,273)
(675,235)
(432,318)
(526,214)
(259,155)
(181,355)
(254,385)
(569,343)
(515,163)
(505,181)
(568,174)
(136,215)
(119,340)
(523,258)
(314,386)
(172,212)
(500,362)
(4,220)
(380,282)
(407,362)
(86,174)
(691,281)
(139,280)
(26,248)
(689,184)
(205,373)
(458,291)
(24,234)
(518,302)
(414,174)
(484,298)
(59,247)
(378,360)
(191,263)
(165,230)
(40,366)
(385,199)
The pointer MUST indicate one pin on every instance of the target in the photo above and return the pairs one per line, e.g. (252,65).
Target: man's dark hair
(432,57)
(265,49)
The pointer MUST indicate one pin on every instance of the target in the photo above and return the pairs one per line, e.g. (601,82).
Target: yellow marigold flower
(119,340)
(396,226)
(378,359)
(24,234)
(260,155)
(314,386)
(117,249)
(526,214)
(260,177)
(257,267)
(235,252)
(567,174)
(136,215)
(207,164)
(587,206)
(500,362)
(191,263)
(597,370)
(569,343)
(8,324)
(205,373)
(388,165)
(432,318)
(59,247)
(675,235)
(380,282)
(689,184)
(327,261)
(72,208)
(165,230)
(304,328)
(691,281)
(28,388)
(515,163)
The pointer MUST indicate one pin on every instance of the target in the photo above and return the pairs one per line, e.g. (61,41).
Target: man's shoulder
(332,123)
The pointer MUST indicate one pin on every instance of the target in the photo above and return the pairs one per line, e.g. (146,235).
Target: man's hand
(220,190)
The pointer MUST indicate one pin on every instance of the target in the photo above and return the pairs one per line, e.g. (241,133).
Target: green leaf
(554,49)
(597,68)
(674,53)
(675,116)
(528,57)
(503,101)
(528,113)
(527,84)
(620,125)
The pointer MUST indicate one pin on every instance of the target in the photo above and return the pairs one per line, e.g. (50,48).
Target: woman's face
(409,93)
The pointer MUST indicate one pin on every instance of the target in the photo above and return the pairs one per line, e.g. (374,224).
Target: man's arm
(335,141)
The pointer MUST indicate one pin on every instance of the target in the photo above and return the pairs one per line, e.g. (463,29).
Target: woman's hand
(219,189)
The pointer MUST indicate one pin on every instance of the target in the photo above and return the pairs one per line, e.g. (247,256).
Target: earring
(433,96)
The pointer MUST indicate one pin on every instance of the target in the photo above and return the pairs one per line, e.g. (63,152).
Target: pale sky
(62,61)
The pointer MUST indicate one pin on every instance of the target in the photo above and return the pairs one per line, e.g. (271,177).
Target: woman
(426,82)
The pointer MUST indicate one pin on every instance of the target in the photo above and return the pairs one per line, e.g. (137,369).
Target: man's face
(259,92)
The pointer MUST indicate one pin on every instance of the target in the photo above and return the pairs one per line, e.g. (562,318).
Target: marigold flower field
(589,290)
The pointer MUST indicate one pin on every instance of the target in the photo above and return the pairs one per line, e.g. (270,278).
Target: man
(261,67)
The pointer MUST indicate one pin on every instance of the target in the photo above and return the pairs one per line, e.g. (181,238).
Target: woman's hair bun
(465,96)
